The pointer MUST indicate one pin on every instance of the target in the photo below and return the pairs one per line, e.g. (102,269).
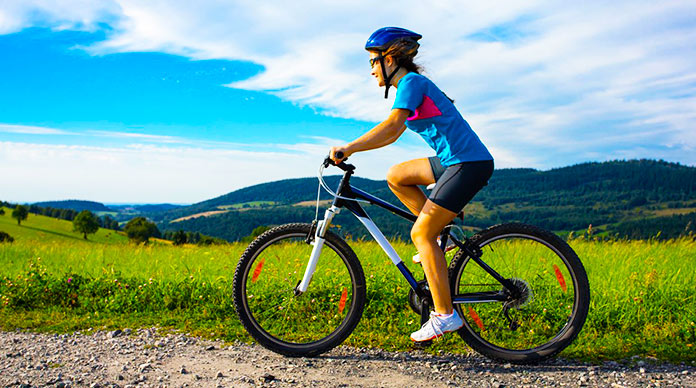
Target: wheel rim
(549,301)
(298,320)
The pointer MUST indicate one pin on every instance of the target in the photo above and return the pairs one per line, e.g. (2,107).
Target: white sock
(446,316)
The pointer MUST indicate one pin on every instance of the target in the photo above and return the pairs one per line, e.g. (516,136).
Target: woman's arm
(381,135)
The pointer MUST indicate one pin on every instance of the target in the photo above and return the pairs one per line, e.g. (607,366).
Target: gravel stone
(267,377)
(146,357)
(115,333)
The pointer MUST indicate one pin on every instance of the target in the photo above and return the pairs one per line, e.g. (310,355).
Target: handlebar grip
(339,155)
(343,165)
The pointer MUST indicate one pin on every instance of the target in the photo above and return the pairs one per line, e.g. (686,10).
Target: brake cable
(322,183)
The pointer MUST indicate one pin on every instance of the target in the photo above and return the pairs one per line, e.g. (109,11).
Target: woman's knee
(422,234)
(395,175)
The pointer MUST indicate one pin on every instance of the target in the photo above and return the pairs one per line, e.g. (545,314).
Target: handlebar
(343,165)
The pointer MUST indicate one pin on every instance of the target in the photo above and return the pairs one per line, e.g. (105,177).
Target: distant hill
(74,204)
(148,208)
(283,192)
(151,208)
(615,197)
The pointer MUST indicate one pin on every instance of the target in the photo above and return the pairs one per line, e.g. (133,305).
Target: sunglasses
(375,59)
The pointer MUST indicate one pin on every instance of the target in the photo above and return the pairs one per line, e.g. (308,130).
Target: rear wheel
(548,311)
(275,315)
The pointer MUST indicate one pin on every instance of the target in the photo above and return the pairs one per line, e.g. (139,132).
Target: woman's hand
(344,149)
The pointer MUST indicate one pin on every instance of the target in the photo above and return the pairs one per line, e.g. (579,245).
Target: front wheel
(547,312)
(295,324)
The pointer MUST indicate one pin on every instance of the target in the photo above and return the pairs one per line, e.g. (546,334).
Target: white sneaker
(437,326)
(450,245)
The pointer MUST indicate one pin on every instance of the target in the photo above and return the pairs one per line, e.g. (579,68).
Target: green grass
(643,292)
(45,229)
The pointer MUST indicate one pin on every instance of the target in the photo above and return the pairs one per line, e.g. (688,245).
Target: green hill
(76,205)
(37,227)
(283,192)
(635,199)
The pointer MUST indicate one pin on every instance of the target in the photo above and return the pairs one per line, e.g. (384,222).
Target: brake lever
(327,162)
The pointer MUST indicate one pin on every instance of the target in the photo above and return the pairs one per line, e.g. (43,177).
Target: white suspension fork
(318,244)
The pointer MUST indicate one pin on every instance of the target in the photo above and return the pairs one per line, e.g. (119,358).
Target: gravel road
(142,358)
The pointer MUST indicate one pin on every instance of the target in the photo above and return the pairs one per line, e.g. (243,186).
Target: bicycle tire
(542,321)
(298,325)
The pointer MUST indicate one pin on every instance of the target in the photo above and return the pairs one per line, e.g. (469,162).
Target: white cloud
(60,15)
(137,136)
(556,81)
(32,130)
(141,173)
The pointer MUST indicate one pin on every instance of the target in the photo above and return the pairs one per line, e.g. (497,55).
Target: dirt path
(143,359)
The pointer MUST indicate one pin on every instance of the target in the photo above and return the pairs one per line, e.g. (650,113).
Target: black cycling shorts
(457,184)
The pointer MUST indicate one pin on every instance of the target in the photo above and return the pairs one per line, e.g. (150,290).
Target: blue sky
(171,101)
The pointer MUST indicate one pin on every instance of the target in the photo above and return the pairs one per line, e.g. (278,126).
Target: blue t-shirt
(435,118)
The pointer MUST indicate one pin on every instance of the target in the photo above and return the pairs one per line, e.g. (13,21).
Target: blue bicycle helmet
(380,41)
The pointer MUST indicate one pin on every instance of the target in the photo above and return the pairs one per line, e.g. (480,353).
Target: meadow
(643,292)
(45,229)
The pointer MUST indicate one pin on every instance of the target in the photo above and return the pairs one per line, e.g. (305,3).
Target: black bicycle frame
(347,191)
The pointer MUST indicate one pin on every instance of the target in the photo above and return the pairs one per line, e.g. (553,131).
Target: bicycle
(522,291)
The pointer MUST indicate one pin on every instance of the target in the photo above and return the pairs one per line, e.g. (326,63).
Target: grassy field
(44,229)
(643,292)
(247,204)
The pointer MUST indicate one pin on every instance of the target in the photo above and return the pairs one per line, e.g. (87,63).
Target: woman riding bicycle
(461,168)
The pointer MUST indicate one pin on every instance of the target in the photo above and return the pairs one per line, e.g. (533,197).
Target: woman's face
(377,67)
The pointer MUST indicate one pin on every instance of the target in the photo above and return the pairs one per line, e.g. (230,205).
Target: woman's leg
(403,179)
(431,220)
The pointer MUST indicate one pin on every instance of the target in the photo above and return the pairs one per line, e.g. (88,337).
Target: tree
(2,211)
(109,223)
(207,240)
(4,237)
(255,233)
(20,213)
(86,223)
(179,238)
(139,230)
